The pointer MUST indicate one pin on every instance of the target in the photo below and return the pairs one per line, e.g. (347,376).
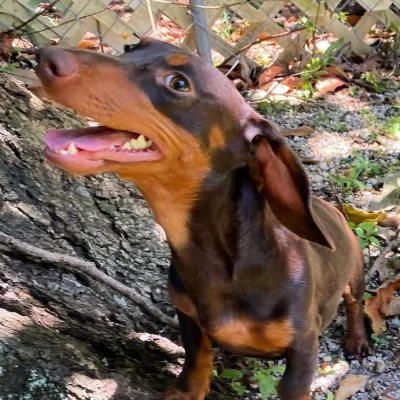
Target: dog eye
(178,83)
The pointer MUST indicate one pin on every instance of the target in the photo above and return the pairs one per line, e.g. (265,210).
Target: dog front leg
(194,381)
(301,362)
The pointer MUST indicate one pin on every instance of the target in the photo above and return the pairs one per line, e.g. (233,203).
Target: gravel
(340,130)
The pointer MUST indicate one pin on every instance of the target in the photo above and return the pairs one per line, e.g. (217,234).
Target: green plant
(264,377)
(391,125)
(378,341)
(380,84)
(273,107)
(366,233)
(234,375)
(318,66)
(329,395)
(360,166)
(258,374)
(341,16)
(8,68)
(339,126)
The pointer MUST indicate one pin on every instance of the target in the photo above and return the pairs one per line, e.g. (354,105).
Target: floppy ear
(284,182)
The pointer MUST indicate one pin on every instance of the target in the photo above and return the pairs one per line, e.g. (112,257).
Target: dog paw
(356,348)
(176,394)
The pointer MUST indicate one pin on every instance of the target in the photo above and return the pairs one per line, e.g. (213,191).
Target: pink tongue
(90,139)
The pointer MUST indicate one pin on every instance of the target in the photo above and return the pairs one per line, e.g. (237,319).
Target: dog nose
(55,63)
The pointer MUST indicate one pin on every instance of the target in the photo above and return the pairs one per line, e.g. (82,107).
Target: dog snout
(55,63)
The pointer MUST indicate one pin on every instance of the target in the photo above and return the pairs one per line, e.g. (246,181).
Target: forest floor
(353,154)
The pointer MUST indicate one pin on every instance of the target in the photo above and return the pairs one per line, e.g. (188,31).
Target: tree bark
(62,334)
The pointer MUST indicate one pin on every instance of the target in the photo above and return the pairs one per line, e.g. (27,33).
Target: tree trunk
(62,334)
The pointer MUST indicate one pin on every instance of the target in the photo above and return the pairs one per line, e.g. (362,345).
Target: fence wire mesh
(237,31)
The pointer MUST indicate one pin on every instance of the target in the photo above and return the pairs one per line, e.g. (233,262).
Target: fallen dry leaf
(377,320)
(350,385)
(292,81)
(352,19)
(390,193)
(397,359)
(88,45)
(379,307)
(326,85)
(6,41)
(301,131)
(357,216)
(394,307)
(269,74)
(276,88)
(390,222)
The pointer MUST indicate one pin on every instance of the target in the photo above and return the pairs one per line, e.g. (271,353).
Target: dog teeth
(63,152)
(134,144)
(126,146)
(72,149)
(141,142)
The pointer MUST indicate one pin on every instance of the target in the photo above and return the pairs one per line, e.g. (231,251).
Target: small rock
(380,367)
(327,359)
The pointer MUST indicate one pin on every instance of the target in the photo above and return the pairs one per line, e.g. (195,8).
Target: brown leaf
(357,216)
(350,385)
(394,307)
(292,82)
(301,131)
(326,85)
(390,222)
(397,359)
(353,19)
(6,41)
(378,307)
(276,88)
(88,45)
(269,74)
(371,309)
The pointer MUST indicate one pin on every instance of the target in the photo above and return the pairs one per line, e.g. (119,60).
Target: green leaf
(267,385)
(279,369)
(231,374)
(367,226)
(367,296)
(334,47)
(238,388)
(329,395)
(359,232)
(214,372)
(363,243)
(375,241)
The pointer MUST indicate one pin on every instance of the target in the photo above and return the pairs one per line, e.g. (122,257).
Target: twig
(258,41)
(90,269)
(338,199)
(151,16)
(73,20)
(38,14)
(199,6)
(381,258)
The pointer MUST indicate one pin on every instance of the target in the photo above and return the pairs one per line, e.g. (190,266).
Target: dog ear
(284,182)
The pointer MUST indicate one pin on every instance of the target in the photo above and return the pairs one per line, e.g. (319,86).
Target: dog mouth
(99,143)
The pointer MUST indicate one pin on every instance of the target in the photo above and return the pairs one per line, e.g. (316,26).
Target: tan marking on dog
(178,59)
(266,337)
(216,138)
(183,303)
